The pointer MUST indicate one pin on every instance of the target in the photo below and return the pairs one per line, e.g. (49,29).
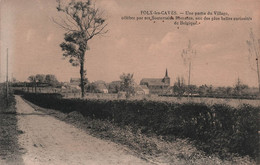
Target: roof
(144,87)
(75,79)
(101,86)
(152,81)
(138,88)
(116,82)
(99,82)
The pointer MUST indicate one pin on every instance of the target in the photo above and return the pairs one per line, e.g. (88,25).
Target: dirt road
(47,140)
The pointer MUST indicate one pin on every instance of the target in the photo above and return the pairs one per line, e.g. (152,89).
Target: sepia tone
(129,82)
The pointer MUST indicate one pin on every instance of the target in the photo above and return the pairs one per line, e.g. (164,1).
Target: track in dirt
(47,140)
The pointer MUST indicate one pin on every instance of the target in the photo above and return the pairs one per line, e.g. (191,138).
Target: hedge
(217,128)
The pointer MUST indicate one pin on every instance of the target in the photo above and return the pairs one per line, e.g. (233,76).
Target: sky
(145,48)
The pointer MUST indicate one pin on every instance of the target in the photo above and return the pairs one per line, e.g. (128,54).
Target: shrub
(215,128)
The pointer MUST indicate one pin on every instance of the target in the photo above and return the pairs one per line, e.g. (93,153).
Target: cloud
(121,43)
(40,4)
(49,37)
(171,43)
(29,35)
(111,6)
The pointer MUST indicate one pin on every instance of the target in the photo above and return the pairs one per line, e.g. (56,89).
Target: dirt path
(47,140)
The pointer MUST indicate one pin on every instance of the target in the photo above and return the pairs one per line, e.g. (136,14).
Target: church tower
(166,79)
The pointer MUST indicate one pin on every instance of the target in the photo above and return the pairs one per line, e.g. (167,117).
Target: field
(181,100)
(109,96)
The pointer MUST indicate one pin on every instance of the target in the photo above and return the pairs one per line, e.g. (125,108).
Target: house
(100,86)
(145,89)
(141,90)
(114,86)
(74,83)
(157,85)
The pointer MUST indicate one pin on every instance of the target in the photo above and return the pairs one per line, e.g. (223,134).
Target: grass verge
(10,152)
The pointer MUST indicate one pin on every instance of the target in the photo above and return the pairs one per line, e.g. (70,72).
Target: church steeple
(166,73)
(166,79)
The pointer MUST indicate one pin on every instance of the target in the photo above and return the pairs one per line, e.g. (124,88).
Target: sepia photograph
(129,82)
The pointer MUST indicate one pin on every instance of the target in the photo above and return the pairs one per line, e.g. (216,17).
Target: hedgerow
(217,128)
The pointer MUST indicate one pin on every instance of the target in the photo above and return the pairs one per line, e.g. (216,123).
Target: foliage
(179,87)
(7,101)
(114,87)
(240,88)
(51,79)
(92,88)
(83,22)
(127,83)
(216,128)
(38,79)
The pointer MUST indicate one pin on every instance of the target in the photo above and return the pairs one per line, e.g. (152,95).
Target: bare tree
(188,54)
(253,49)
(82,21)
(179,86)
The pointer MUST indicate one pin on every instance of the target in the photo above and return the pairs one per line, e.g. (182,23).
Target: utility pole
(7,78)
(189,73)
(258,74)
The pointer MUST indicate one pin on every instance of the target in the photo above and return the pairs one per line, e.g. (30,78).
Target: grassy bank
(9,147)
(215,129)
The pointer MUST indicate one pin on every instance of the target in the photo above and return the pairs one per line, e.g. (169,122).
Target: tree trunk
(258,74)
(35,85)
(82,77)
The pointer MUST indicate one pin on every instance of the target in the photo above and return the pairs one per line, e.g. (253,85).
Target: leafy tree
(220,91)
(193,89)
(32,80)
(82,22)
(40,78)
(92,88)
(210,90)
(51,80)
(203,90)
(114,87)
(240,88)
(179,86)
(127,83)
(229,91)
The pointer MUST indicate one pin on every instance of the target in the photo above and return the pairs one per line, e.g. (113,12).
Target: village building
(101,86)
(141,90)
(145,89)
(157,85)
(74,83)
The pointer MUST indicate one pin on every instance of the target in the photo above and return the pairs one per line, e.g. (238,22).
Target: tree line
(239,89)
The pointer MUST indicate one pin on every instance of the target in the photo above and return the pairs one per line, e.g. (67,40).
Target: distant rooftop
(152,81)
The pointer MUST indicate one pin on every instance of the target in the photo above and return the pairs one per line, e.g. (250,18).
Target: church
(157,85)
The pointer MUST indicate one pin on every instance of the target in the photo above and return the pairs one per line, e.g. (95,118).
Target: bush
(217,128)
(6,103)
